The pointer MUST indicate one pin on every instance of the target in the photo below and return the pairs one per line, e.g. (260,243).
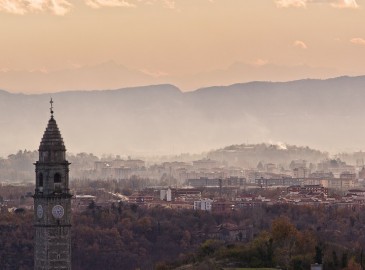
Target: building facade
(52,203)
(204,205)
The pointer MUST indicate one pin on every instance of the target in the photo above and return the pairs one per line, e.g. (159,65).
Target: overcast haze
(61,45)
(186,45)
(162,120)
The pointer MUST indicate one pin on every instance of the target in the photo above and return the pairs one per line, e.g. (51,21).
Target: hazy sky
(52,45)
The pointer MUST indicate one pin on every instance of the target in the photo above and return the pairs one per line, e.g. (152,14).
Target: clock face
(39,211)
(58,211)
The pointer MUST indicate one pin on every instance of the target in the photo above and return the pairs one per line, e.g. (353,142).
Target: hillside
(250,155)
(160,119)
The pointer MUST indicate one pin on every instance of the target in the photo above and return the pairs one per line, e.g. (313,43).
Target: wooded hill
(129,237)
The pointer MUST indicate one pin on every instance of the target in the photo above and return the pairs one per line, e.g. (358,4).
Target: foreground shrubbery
(128,237)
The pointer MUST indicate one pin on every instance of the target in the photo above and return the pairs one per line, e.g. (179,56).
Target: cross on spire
(51,109)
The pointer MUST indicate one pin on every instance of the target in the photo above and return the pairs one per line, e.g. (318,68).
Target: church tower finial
(51,109)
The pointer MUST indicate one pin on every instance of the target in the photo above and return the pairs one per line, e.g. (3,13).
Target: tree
(344,260)
(353,265)
(91,205)
(319,255)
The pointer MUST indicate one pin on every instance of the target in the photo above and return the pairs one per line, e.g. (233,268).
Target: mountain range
(161,119)
(111,75)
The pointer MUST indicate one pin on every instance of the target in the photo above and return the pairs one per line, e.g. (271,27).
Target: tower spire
(51,109)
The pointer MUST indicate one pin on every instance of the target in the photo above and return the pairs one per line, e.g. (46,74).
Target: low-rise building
(356,192)
(278,182)
(81,202)
(217,182)
(140,198)
(223,205)
(204,205)
(231,232)
(205,164)
(300,172)
(308,189)
(166,195)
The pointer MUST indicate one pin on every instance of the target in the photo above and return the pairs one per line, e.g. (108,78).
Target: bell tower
(52,202)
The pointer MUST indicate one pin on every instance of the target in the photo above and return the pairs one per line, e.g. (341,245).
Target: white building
(204,204)
(166,195)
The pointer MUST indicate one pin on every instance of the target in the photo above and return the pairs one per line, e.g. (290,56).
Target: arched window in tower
(57,178)
(40,180)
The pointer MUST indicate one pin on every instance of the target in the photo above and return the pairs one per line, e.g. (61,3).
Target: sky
(60,45)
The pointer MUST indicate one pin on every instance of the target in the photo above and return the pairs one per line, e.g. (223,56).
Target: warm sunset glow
(104,44)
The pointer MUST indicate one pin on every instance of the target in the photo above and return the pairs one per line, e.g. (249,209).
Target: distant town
(209,183)
(283,204)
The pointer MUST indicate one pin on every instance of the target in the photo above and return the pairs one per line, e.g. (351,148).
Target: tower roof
(52,139)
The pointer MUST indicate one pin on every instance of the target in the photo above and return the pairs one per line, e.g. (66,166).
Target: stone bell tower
(52,202)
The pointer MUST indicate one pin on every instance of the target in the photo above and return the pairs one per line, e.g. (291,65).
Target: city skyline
(62,45)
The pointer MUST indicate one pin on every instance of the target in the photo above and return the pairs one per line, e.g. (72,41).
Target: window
(57,178)
(40,180)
